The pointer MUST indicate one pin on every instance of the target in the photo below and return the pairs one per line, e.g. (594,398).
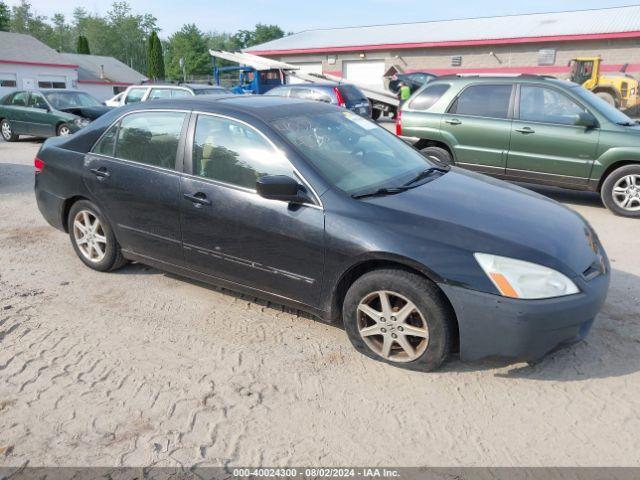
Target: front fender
(612,156)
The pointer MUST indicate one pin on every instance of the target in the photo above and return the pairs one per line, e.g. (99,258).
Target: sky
(298,15)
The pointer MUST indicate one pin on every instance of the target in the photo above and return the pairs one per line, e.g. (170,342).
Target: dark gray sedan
(313,206)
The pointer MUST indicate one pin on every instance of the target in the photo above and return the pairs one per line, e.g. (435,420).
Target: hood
(90,113)
(479,214)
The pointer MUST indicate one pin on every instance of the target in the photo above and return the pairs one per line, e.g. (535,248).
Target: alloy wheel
(89,236)
(6,130)
(392,326)
(626,193)
(64,131)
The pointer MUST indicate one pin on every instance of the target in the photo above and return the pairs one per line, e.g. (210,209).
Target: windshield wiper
(627,124)
(381,191)
(425,174)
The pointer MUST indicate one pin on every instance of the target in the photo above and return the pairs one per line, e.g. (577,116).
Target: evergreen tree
(5,17)
(155,58)
(83,45)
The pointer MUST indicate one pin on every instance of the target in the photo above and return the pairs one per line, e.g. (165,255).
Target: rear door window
(352,94)
(178,92)
(150,137)
(429,96)
(159,93)
(490,101)
(20,99)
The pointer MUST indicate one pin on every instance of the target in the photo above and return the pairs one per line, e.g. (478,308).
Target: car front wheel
(399,318)
(621,191)
(439,154)
(7,131)
(92,237)
(64,130)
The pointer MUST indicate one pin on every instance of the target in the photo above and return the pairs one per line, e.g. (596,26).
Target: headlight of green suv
(81,122)
(519,279)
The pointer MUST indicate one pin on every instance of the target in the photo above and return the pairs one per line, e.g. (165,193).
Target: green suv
(531,129)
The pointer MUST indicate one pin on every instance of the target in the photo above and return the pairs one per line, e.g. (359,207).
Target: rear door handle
(525,130)
(453,121)
(197,198)
(100,172)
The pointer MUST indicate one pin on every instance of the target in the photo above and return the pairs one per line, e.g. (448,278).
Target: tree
(190,44)
(23,20)
(261,34)
(5,17)
(155,59)
(83,45)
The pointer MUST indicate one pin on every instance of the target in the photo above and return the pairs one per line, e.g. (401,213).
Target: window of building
(483,101)
(50,84)
(231,152)
(547,56)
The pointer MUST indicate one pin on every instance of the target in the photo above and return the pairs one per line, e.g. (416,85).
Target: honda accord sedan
(312,206)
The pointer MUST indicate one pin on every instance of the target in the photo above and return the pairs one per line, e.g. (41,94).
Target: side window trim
(454,101)
(188,158)
(516,110)
(180,152)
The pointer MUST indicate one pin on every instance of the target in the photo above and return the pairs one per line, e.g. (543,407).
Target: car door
(232,233)
(477,126)
(41,122)
(16,110)
(132,173)
(545,142)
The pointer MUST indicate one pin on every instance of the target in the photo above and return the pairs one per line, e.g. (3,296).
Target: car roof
(324,85)
(263,107)
(520,78)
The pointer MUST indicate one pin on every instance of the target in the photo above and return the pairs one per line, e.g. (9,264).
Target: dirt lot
(138,367)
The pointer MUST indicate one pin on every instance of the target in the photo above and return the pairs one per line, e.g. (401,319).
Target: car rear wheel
(399,318)
(93,239)
(7,131)
(63,130)
(375,113)
(440,154)
(621,191)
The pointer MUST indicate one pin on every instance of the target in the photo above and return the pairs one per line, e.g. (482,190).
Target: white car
(115,101)
(144,93)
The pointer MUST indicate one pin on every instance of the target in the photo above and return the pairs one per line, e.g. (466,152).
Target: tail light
(339,97)
(399,122)
(38,165)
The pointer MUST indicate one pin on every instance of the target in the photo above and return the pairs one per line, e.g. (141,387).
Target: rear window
(429,96)
(483,101)
(351,94)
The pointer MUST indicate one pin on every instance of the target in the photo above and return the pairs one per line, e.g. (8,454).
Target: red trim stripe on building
(455,43)
(103,82)
(39,64)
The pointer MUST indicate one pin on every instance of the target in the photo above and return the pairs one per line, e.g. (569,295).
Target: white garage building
(26,63)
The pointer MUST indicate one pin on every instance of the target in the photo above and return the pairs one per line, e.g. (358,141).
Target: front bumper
(525,330)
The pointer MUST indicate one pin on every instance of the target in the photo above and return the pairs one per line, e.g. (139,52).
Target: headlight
(81,122)
(518,279)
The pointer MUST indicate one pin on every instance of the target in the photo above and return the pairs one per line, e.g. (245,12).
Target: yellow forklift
(619,90)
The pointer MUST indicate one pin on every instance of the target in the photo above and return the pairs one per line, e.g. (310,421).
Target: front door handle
(453,121)
(100,172)
(525,130)
(197,198)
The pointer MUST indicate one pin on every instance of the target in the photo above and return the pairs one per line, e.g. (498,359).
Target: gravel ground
(139,367)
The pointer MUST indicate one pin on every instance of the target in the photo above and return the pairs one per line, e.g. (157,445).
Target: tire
(63,130)
(428,312)
(440,154)
(7,131)
(607,97)
(623,185)
(101,240)
(375,113)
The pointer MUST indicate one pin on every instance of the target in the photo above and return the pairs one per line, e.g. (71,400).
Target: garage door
(364,72)
(305,68)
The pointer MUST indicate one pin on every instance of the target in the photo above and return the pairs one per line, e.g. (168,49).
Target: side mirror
(280,187)
(586,120)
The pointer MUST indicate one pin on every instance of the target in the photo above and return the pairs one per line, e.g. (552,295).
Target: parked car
(531,129)
(413,80)
(47,113)
(115,101)
(342,95)
(313,206)
(144,93)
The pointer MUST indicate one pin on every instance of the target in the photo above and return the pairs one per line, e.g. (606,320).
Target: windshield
(609,111)
(352,153)
(62,100)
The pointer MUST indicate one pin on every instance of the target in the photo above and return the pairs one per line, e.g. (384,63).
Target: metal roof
(21,48)
(559,25)
(96,68)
